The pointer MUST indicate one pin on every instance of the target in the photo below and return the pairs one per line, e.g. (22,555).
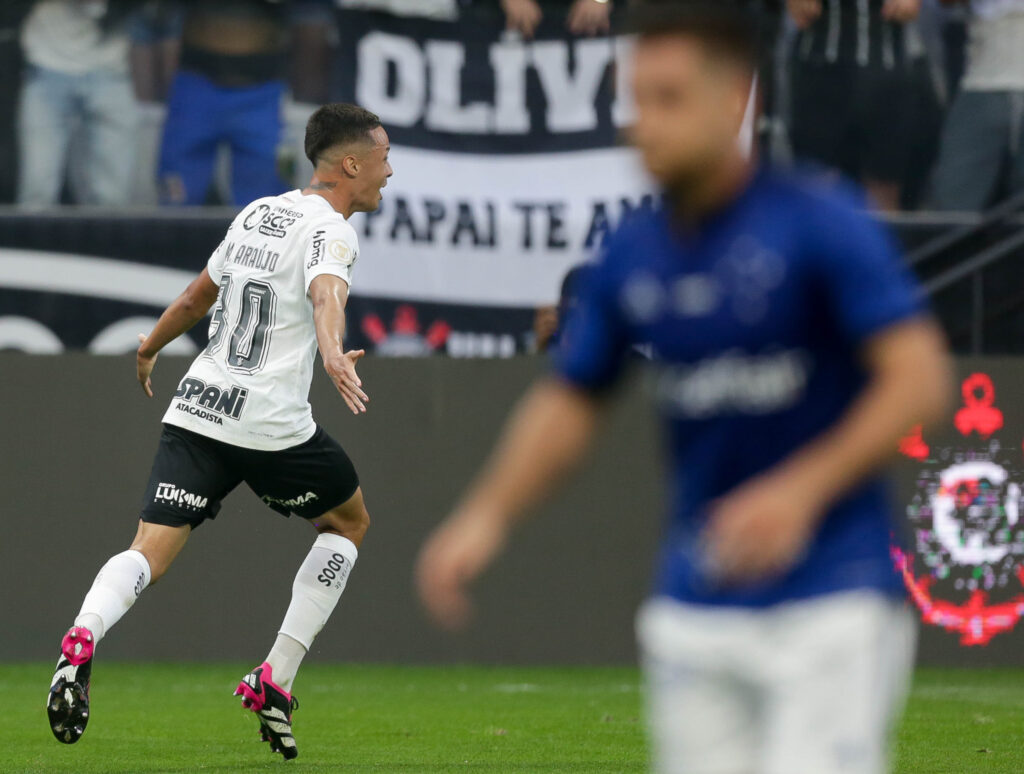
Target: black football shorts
(192,474)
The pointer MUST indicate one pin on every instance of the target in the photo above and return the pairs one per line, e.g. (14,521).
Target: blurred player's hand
(454,555)
(545,326)
(342,371)
(144,367)
(760,529)
(523,16)
(804,12)
(589,17)
(901,10)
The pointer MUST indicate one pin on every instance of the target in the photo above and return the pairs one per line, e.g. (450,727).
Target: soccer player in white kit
(278,285)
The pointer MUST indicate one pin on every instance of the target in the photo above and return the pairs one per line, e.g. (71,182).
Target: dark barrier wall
(78,436)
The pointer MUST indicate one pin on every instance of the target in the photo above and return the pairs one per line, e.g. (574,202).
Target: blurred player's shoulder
(628,244)
(816,190)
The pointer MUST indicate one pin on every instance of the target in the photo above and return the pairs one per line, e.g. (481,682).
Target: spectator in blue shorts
(228,92)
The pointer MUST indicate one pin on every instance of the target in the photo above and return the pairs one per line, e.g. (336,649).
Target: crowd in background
(920,100)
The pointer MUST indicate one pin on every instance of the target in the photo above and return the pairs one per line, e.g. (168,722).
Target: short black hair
(725,27)
(337,123)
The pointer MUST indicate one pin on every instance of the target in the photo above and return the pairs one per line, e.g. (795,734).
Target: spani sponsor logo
(210,402)
(169,493)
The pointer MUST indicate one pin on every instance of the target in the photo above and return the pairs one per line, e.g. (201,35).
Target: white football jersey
(250,386)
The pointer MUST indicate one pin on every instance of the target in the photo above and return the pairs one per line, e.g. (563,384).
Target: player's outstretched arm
(545,437)
(329,295)
(763,527)
(186,310)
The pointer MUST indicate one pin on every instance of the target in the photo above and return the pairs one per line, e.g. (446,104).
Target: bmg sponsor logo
(209,401)
(170,493)
(317,253)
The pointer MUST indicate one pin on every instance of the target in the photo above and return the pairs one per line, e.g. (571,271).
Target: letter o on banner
(376,51)
(25,335)
(123,336)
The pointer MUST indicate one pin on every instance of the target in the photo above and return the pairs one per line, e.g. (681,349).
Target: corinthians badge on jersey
(964,565)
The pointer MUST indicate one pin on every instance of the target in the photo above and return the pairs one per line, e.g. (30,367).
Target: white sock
(117,586)
(317,588)
(284,659)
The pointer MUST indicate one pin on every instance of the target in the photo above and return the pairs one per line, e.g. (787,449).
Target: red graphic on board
(975,621)
(405,337)
(913,444)
(978,414)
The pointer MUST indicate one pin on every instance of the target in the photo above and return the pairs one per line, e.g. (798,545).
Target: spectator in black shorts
(852,90)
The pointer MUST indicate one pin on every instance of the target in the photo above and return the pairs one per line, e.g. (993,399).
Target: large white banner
(508,169)
(499,230)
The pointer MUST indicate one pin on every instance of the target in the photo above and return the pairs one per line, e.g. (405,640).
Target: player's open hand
(454,555)
(523,16)
(144,367)
(759,530)
(342,371)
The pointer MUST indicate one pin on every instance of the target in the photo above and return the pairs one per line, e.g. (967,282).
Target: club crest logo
(964,567)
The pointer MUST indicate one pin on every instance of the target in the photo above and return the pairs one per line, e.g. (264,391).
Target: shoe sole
(68,711)
(268,736)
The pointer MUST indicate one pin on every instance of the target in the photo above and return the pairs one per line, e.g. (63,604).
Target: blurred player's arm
(185,311)
(762,527)
(329,294)
(545,438)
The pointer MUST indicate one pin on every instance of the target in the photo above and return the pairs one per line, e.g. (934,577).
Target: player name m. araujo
(256,257)
(221,401)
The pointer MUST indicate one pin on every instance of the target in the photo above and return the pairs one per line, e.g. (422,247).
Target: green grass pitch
(422,720)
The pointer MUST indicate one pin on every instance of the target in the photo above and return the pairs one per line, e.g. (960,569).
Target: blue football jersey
(757,320)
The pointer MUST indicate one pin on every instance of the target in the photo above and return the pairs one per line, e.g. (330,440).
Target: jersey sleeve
(868,284)
(332,248)
(218,259)
(593,349)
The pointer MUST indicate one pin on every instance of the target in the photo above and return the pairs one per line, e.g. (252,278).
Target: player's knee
(352,524)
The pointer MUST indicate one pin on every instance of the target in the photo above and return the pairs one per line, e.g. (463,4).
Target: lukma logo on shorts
(210,401)
(293,502)
(169,493)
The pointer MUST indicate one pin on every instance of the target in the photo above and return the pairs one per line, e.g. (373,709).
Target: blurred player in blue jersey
(792,352)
